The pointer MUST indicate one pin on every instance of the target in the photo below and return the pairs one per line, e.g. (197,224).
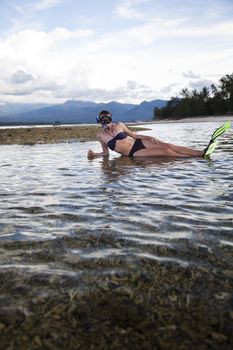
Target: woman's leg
(161,152)
(185,150)
(177,149)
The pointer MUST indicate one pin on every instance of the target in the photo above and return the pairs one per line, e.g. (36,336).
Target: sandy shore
(42,135)
(34,135)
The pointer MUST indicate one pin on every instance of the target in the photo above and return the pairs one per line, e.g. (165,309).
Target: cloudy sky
(123,50)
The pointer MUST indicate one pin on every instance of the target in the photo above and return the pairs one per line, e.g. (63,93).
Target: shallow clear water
(65,216)
(52,190)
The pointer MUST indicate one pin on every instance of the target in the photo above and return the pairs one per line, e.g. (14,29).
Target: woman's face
(105,121)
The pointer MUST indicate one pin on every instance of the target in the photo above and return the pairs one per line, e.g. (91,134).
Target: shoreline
(219,118)
(31,135)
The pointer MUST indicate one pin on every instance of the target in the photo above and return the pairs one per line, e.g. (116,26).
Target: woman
(119,138)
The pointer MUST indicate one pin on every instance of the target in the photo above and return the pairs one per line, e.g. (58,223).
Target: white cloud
(37,84)
(224,28)
(46,55)
(167,90)
(28,44)
(200,84)
(189,74)
(130,9)
(131,84)
(126,92)
(20,77)
(41,5)
(45,4)
(160,29)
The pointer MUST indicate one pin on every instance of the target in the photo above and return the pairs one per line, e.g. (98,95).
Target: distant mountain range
(76,112)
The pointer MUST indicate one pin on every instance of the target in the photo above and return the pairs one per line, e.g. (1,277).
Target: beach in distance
(30,135)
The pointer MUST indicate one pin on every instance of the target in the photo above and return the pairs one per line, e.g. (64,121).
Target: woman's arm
(137,136)
(104,153)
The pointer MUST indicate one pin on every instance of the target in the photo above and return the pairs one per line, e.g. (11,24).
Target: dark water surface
(117,253)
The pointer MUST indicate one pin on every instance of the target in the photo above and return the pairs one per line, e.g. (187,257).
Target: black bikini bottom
(136,147)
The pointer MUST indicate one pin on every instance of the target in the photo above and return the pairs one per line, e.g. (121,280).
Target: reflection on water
(122,166)
(136,250)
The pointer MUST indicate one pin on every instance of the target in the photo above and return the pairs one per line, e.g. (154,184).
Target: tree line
(214,101)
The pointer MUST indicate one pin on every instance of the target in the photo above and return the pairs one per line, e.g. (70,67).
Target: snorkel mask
(104,118)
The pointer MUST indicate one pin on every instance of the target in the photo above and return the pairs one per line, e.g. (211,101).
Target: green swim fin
(213,143)
(210,149)
(219,131)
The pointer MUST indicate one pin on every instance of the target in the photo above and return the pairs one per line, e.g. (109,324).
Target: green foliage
(193,103)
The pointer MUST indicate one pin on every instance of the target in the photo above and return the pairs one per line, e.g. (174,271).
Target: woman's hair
(105,113)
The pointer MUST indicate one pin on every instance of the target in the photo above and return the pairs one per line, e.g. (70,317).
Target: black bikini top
(112,143)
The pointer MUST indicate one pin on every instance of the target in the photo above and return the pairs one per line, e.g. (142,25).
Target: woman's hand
(90,154)
(153,139)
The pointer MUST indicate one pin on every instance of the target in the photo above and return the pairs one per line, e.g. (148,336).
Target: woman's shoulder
(119,124)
